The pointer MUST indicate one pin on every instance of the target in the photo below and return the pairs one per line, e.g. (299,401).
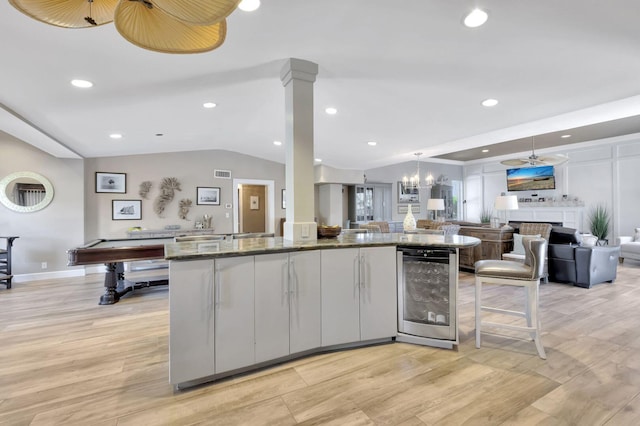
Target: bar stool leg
(533,308)
(478,310)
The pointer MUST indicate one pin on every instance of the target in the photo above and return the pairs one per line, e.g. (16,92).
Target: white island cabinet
(304,319)
(287,288)
(267,300)
(359,296)
(234,313)
(191,316)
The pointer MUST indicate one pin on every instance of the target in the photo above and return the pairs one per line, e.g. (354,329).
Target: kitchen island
(244,304)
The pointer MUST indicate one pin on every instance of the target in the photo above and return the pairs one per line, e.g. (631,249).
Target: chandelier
(167,26)
(413,182)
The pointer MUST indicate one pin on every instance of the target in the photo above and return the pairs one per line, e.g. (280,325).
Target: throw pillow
(636,235)
(518,248)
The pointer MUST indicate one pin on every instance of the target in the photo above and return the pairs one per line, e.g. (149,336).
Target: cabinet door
(340,296)
(272,307)
(304,286)
(234,313)
(191,326)
(378,293)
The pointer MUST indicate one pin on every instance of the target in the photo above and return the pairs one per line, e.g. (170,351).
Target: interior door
(253,208)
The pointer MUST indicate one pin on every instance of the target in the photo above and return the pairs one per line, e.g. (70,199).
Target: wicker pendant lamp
(153,29)
(168,26)
(200,12)
(68,13)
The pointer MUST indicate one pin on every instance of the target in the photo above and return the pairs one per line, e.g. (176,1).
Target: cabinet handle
(362,271)
(218,285)
(356,274)
(286,277)
(293,285)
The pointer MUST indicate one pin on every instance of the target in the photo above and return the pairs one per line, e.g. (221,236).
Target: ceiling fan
(167,26)
(536,160)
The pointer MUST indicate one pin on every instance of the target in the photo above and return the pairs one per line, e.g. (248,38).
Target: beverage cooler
(427,291)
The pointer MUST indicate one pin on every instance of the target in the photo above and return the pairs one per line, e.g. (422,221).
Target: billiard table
(113,252)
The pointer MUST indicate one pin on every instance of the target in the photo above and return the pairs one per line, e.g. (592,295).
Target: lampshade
(506,202)
(435,204)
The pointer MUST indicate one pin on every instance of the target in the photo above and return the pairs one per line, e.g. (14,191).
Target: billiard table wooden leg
(110,295)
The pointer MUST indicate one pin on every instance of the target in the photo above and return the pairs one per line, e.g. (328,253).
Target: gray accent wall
(45,235)
(192,169)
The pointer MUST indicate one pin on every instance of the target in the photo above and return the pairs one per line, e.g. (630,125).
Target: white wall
(598,172)
(45,235)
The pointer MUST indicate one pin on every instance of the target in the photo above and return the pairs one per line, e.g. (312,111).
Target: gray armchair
(629,246)
(582,266)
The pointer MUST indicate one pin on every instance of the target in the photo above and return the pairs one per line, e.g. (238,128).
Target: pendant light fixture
(168,26)
(413,182)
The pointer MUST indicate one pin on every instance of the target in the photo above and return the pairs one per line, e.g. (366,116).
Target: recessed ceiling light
(209,104)
(490,102)
(318,160)
(476,18)
(277,143)
(249,5)
(83,84)
(115,136)
(372,143)
(565,136)
(485,150)
(331,111)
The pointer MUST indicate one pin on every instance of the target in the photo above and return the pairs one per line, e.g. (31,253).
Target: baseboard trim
(21,278)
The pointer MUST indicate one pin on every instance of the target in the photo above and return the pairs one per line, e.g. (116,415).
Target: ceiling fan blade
(553,159)
(514,162)
(200,12)
(154,29)
(68,13)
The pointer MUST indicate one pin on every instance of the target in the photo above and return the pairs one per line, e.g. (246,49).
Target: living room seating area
(629,246)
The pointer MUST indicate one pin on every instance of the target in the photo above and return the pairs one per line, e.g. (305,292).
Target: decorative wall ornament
(185,206)
(168,188)
(145,187)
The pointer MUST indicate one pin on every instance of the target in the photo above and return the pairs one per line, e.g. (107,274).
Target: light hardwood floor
(65,360)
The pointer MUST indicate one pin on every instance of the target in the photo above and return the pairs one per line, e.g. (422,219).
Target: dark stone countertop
(252,246)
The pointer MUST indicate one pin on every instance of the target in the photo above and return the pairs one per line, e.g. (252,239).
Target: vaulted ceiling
(407,75)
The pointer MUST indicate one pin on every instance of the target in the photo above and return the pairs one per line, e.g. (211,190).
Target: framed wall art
(111,182)
(407,193)
(208,196)
(126,209)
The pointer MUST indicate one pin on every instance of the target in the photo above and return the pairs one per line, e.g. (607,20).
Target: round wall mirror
(25,192)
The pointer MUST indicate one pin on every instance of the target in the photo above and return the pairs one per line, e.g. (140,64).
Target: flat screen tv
(531,178)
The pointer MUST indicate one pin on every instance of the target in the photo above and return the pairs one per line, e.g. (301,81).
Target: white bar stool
(526,275)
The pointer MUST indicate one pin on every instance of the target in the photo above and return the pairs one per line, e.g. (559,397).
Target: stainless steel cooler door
(426,296)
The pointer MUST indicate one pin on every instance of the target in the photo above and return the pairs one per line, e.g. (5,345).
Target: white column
(297,78)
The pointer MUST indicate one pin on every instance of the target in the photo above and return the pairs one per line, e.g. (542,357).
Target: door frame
(270,198)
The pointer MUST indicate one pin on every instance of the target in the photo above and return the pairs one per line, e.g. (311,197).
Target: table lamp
(504,203)
(435,204)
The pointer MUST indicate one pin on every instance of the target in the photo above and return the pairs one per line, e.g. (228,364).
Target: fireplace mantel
(571,217)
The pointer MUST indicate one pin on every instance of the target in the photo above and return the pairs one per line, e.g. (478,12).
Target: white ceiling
(406,74)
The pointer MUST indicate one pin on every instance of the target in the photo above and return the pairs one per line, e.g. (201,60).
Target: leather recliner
(582,266)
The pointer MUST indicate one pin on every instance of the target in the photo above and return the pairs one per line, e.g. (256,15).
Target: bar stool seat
(513,273)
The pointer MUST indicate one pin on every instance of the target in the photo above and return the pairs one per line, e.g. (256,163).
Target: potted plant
(599,221)
(485,215)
